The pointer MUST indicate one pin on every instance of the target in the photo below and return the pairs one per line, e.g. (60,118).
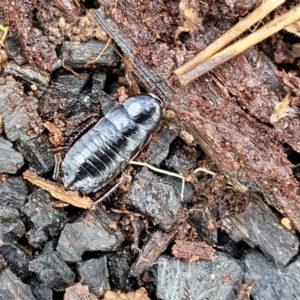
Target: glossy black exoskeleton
(105,150)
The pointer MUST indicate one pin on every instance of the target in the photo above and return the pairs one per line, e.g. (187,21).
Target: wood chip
(140,294)
(192,251)
(57,191)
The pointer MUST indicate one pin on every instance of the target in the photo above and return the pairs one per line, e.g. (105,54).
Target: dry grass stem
(100,54)
(197,69)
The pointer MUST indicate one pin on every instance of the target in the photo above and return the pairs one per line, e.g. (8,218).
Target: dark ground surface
(225,239)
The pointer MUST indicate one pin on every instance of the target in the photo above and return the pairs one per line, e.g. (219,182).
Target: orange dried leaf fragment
(55,134)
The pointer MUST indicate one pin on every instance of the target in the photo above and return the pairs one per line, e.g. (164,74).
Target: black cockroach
(105,150)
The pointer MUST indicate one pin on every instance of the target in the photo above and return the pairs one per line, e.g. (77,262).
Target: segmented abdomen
(104,151)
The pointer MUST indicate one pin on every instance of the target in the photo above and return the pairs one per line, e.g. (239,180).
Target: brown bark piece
(245,150)
(259,98)
(18,16)
(244,291)
(192,251)
(156,245)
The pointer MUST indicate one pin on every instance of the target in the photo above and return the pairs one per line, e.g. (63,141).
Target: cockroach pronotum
(103,152)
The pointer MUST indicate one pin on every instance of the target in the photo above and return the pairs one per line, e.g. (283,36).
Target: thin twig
(200,169)
(70,69)
(137,163)
(100,54)
(204,61)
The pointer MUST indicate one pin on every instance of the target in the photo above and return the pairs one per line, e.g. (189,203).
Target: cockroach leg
(137,163)
(110,191)
(57,158)
(83,127)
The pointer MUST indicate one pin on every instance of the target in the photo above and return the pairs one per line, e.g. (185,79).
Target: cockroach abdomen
(105,150)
